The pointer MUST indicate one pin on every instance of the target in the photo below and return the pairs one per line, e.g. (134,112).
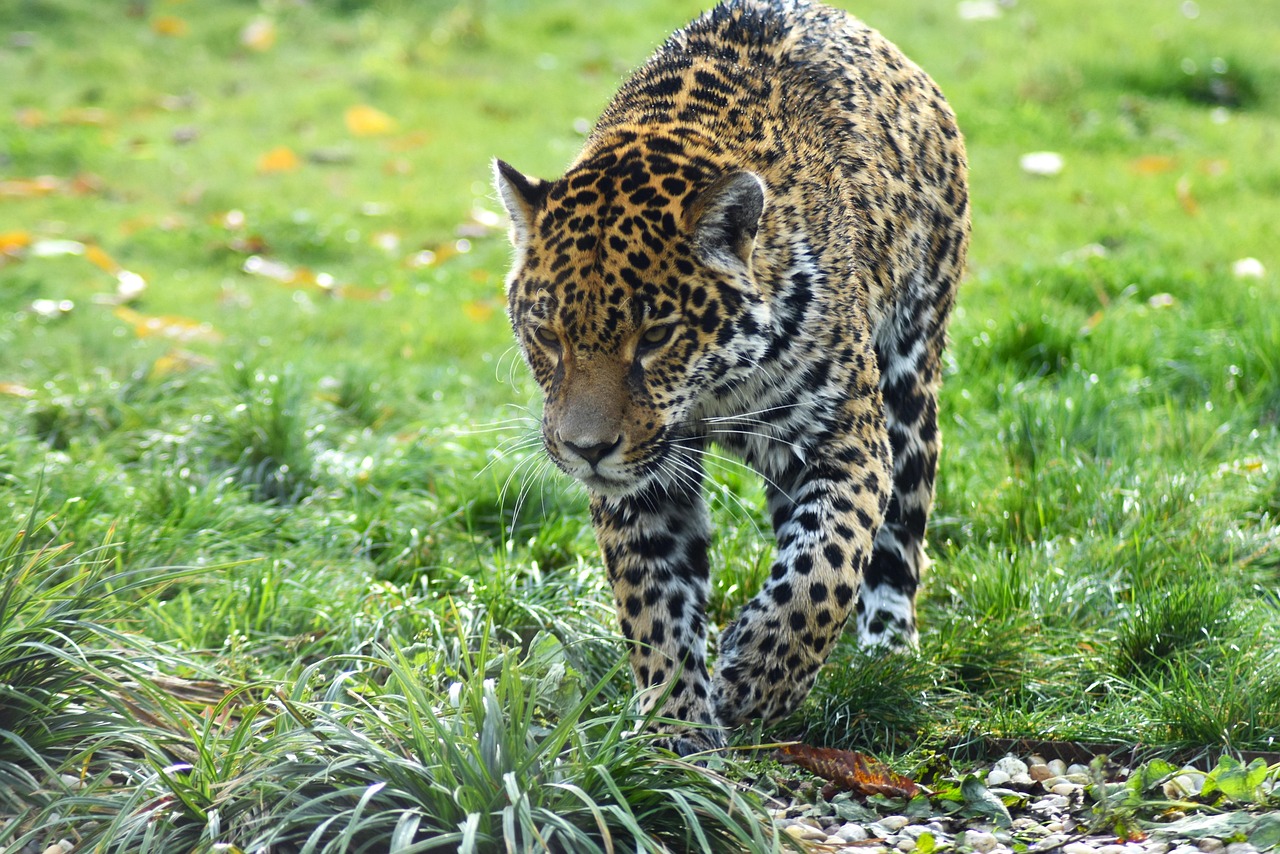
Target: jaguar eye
(546,337)
(656,336)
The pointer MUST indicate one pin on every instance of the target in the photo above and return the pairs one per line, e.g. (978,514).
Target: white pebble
(894,823)
(1077,848)
(980,841)
(1058,767)
(996,777)
(1065,789)
(1011,765)
(1023,779)
(1041,163)
(804,832)
(906,846)
(852,832)
(1248,268)
(1111,849)
(1078,769)
(1241,848)
(1209,845)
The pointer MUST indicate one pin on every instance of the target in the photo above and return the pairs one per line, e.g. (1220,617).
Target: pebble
(894,823)
(996,777)
(1209,845)
(1241,848)
(906,846)
(1057,766)
(804,832)
(1077,848)
(980,841)
(1076,768)
(1011,765)
(852,832)
(1065,789)
(1040,773)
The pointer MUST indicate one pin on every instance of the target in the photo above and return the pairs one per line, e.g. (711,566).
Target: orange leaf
(1152,164)
(363,120)
(478,310)
(30,117)
(178,361)
(848,769)
(100,259)
(11,242)
(169,25)
(167,326)
(1185,197)
(20,188)
(16,390)
(259,34)
(280,159)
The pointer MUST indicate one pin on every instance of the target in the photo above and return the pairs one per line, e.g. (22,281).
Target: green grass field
(284,567)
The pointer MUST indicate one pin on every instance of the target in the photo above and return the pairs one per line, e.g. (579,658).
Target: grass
(283,565)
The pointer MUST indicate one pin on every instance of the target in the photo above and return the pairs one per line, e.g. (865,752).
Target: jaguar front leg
(825,514)
(655,553)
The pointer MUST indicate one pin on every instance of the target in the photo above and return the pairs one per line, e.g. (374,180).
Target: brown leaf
(848,769)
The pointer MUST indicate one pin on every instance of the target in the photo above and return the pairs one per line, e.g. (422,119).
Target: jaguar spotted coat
(758,248)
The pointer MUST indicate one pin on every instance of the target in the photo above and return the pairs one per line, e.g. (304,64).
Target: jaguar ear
(724,218)
(521,195)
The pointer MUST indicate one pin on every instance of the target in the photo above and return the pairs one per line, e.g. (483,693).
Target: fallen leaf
(98,257)
(29,117)
(167,326)
(408,142)
(95,116)
(16,390)
(1185,197)
(1152,164)
(19,188)
(479,311)
(169,25)
(363,120)
(849,769)
(280,159)
(259,34)
(178,361)
(13,242)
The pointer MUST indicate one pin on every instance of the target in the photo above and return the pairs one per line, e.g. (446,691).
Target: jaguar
(756,252)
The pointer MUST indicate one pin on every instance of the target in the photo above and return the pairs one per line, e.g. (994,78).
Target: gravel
(1054,819)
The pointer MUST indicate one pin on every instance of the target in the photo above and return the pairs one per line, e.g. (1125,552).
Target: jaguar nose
(593,453)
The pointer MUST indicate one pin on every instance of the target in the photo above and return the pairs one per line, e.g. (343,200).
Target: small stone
(852,832)
(1058,767)
(1024,780)
(62,846)
(1076,768)
(803,832)
(1077,848)
(1039,772)
(1111,849)
(878,830)
(1054,826)
(1078,779)
(1065,789)
(1050,782)
(980,841)
(996,777)
(1241,848)
(1011,765)
(1209,845)
(906,846)
(1153,846)
(1185,849)
(894,823)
